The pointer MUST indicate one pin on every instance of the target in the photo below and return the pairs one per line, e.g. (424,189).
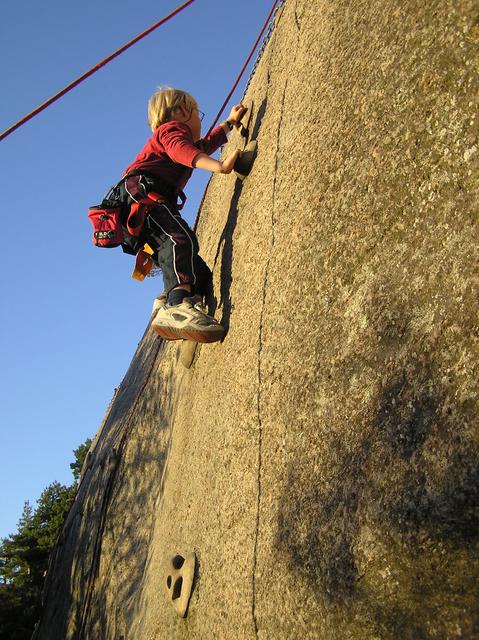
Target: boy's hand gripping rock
(236,113)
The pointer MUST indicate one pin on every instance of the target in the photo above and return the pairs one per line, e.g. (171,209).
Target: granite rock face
(322,462)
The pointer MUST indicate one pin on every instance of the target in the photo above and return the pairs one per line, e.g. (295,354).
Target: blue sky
(71,314)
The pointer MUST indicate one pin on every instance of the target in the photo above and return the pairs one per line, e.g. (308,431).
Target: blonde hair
(165,102)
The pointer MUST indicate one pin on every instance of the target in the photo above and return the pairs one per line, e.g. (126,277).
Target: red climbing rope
(263,29)
(92,70)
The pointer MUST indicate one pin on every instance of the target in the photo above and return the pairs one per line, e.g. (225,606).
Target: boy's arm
(204,161)
(217,138)
(177,142)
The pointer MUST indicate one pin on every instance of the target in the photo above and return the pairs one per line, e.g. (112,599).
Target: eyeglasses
(201,115)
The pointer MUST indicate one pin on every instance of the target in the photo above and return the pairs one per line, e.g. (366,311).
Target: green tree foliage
(25,554)
(80,454)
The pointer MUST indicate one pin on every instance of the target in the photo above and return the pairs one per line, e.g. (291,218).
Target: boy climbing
(163,167)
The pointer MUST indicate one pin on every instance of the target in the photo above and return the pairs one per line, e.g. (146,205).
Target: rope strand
(93,70)
(266,39)
(240,75)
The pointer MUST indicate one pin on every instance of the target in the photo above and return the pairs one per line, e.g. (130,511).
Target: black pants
(175,247)
(174,243)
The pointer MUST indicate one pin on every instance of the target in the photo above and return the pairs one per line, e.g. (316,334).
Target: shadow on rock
(413,481)
(226,240)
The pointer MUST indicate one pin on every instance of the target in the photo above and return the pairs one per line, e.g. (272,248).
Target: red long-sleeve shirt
(169,153)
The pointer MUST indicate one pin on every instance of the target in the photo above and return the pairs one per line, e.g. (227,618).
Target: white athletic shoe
(158,304)
(187,320)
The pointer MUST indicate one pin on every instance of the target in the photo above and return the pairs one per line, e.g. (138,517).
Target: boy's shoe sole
(166,334)
(197,336)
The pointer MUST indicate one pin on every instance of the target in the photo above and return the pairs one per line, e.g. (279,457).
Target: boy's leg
(204,278)
(176,249)
(175,246)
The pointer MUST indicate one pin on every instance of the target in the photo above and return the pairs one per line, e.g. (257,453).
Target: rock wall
(322,462)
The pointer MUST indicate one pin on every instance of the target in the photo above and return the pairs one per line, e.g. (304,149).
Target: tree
(80,454)
(25,554)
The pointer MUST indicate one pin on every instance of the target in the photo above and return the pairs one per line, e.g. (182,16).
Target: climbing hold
(187,353)
(179,581)
(243,127)
(244,162)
